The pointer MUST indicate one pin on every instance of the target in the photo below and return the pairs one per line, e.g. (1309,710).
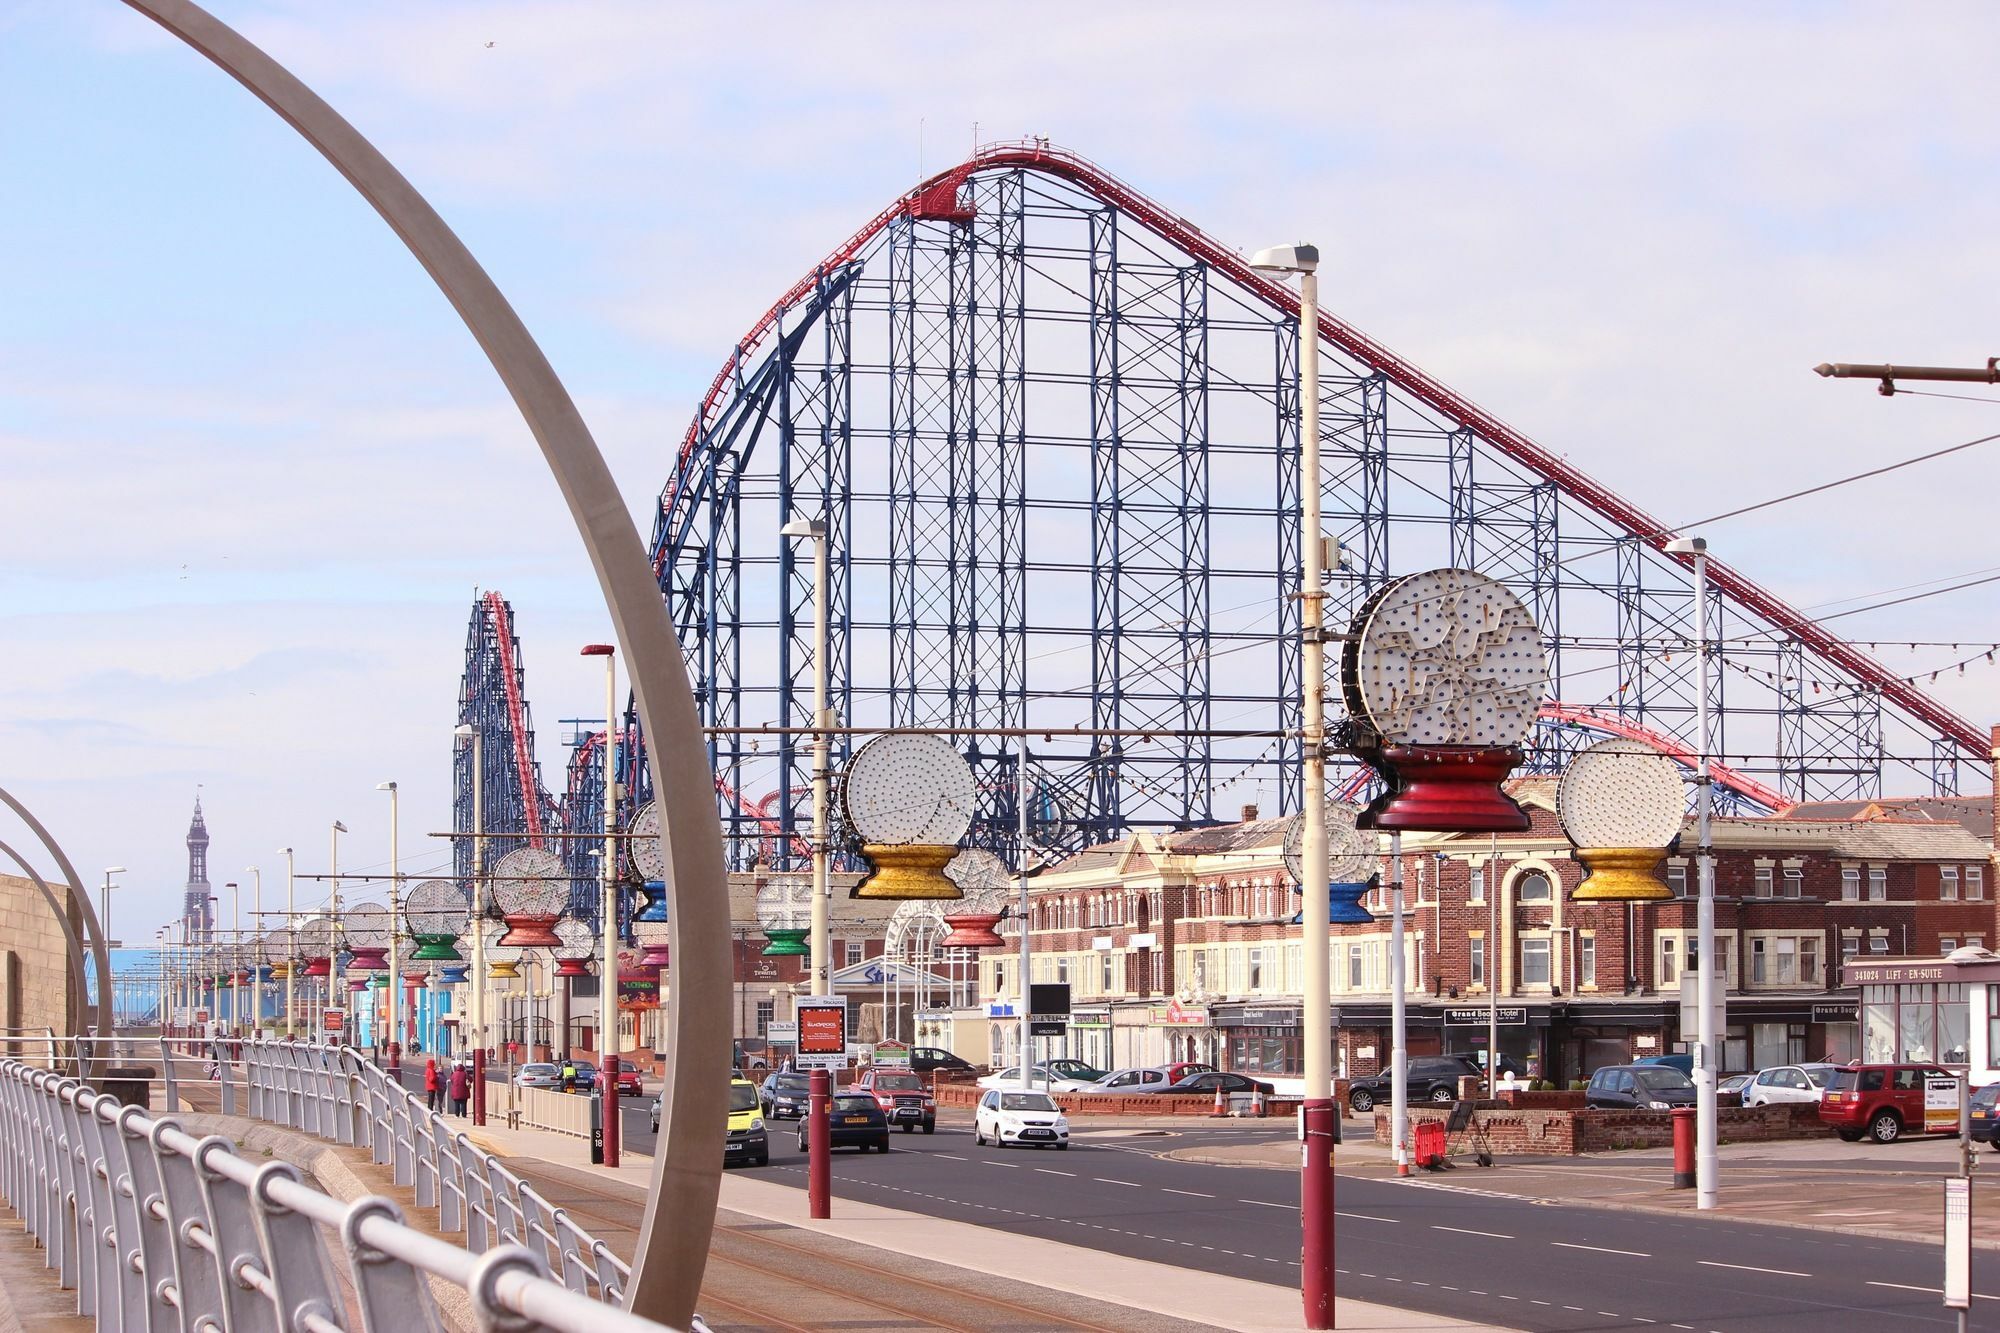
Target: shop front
(1090,1038)
(1176,1032)
(1917,1010)
(1263,1041)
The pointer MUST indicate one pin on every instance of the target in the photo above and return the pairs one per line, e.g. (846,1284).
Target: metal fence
(155,1228)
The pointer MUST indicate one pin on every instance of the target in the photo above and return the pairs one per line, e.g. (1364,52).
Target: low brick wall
(1564,1133)
(1076,1103)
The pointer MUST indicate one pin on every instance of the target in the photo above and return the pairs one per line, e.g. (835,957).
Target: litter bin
(128,1085)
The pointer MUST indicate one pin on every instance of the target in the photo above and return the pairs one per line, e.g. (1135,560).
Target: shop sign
(334,1020)
(891,1055)
(781,1034)
(1091,1020)
(1143,940)
(1259,1017)
(1837,1011)
(1175,1014)
(1477,1018)
(999,1009)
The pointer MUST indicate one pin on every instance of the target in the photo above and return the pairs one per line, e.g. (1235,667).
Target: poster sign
(335,1020)
(1048,1009)
(1477,1018)
(891,1055)
(1940,1104)
(1958,1243)
(822,1032)
(781,1034)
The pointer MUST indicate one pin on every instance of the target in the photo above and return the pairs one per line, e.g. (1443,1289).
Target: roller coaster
(1053,430)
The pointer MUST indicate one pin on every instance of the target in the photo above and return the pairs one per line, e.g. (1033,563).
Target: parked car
(1076,1069)
(1734,1083)
(628,1080)
(1638,1088)
(786,1093)
(1882,1101)
(586,1076)
(1207,1083)
(905,1097)
(1181,1069)
(1019,1117)
(1151,1079)
(924,1059)
(1986,1115)
(853,1120)
(747,1141)
(1432,1078)
(538,1075)
(1787,1083)
(1041,1077)
(1680,1060)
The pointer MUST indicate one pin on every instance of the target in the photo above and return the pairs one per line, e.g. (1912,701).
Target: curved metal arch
(687,1171)
(100,953)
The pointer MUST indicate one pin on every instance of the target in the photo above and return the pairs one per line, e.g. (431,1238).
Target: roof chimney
(1249,813)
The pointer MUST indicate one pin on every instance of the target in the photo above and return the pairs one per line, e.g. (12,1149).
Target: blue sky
(254,469)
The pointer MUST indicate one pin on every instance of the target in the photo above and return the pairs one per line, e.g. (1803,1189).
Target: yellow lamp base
(1620,875)
(498,970)
(907,872)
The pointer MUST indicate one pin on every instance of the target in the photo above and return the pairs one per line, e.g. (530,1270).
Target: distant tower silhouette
(198,912)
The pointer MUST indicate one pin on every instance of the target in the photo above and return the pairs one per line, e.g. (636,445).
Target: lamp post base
(1321,1118)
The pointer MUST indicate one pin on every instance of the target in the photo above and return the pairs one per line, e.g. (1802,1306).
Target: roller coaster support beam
(687,1171)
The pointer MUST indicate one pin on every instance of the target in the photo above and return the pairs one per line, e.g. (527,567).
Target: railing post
(172,1088)
(100,1245)
(150,1250)
(73,1199)
(451,1178)
(238,1241)
(195,1273)
(296,1260)
(392,1295)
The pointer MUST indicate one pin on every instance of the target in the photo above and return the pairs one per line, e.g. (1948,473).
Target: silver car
(538,1076)
(1148,1079)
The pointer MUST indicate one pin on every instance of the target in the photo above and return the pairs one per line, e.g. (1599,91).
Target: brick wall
(37,992)
(1559,1133)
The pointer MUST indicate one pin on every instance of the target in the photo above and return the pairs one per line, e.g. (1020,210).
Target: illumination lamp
(1443,674)
(531,888)
(275,950)
(316,947)
(642,845)
(368,927)
(1621,806)
(1353,857)
(436,911)
(502,960)
(577,943)
(911,798)
(984,880)
(784,910)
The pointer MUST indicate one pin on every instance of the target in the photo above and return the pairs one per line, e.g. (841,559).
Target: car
(926,1059)
(628,1080)
(1005,1117)
(1432,1078)
(1786,1083)
(1076,1069)
(1041,1076)
(586,1076)
(1638,1088)
(1140,1079)
(1883,1101)
(538,1075)
(1985,1113)
(1181,1069)
(1207,1083)
(1734,1083)
(853,1120)
(747,1141)
(904,1097)
(1680,1060)
(786,1093)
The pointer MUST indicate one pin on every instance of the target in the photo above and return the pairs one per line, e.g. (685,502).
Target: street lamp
(395,932)
(236,955)
(607,991)
(291,946)
(333,871)
(258,954)
(104,896)
(1706,1165)
(465,731)
(1319,1115)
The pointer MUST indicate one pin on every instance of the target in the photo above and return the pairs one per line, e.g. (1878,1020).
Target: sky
(252,469)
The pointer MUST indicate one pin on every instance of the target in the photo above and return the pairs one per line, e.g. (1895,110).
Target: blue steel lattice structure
(492,698)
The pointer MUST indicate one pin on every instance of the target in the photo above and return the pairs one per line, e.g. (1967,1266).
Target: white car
(1150,1079)
(1018,1117)
(1040,1077)
(1786,1083)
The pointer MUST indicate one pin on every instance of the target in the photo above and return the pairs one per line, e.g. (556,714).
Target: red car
(904,1097)
(628,1079)
(1884,1102)
(1186,1069)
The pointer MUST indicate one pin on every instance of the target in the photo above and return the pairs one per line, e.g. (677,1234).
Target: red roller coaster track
(517,723)
(937,197)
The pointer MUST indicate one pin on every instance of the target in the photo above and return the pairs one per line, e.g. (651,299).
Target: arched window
(1533,887)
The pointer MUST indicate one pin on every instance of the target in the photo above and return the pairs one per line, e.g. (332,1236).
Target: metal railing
(154,1227)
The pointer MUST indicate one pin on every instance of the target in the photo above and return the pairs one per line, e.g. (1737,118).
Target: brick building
(38,992)
(1179,945)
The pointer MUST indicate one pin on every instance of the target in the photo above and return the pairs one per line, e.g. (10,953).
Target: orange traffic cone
(1221,1103)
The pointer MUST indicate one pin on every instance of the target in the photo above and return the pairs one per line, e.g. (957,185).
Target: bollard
(1684,1147)
(819,1147)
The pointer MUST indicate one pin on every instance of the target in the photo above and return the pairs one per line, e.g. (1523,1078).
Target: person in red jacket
(461,1089)
(433,1086)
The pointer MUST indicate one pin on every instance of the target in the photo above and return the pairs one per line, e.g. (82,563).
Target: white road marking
(1192,1194)
(1468,1231)
(1599,1249)
(1129,1184)
(1752,1268)
(1263,1204)
(1047,1171)
(1011,1166)
(1935,1291)
(953,1156)
(1362,1217)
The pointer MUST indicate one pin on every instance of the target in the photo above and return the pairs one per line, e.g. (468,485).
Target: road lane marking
(1468,1231)
(1011,1166)
(1935,1291)
(952,1156)
(1599,1249)
(1192,1194)
(1047,1171)
(1362,1217)
(1129,1184)
(1264,1204)
(1752,1268)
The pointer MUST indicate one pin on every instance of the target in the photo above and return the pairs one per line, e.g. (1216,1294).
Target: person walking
(461,1089)
(433,1086)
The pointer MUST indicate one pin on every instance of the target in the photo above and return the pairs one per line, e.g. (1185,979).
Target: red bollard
(819,1148)
(1319,1119)
(479,1085)
(607,1085)
(1683,1147)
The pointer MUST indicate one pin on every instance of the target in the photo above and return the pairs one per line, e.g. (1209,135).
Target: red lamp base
(530,932)
(973,930)
(1445,789)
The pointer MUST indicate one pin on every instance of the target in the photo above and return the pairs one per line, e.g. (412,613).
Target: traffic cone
(1257,1102)
(1221,1103)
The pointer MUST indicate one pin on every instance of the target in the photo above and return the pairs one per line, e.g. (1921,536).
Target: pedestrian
(433,1086)
(461,1088)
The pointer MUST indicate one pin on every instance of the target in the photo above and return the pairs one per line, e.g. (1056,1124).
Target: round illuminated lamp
(784,910)
(983,878)
(437,911)
(579,942)
(452,974)
(502,960)
(276,951)
(1621,804)
(316,947)
(1353,863)
(911,798)
(1443,676)
(531,888)
(642,843)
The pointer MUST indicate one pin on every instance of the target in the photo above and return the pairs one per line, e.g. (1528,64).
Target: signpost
(782,1034)
(822,1047)
(1940,1103)
(1048,1009)
(890,1055)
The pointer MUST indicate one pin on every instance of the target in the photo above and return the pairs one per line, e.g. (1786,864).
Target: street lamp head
(1687,546)
(1286,259)
(339,827)
(804,527)
(597,650)
(385,786)
(114,870)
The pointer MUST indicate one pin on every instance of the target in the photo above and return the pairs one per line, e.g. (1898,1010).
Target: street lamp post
(1706,1163)
(236,959)
(467,732)
(820,1082)
(1319,1115)
(607,1000)
(291,948)
(104,896)
(395,934)
(332,977)
(258,955)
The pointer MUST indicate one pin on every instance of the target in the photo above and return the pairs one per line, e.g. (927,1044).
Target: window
(1946,944)
(1475,967)
(1677,880)
(1878,884)
(1669,961)
(1586,960)
(1535,962)
(1948,884)
(1104,985)
(1850,883)
(1975,882)
(1256,969)
(1764,889)
(1533,887)
(854,950)
(1975,941)
(766,1010)
(1354,967)
(1062,970)
(1878,944)
(1475,883)
(1795,882)
(1849,945)
(1809,959)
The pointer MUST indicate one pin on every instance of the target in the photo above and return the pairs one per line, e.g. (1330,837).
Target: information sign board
(1940,1104)
(781,1034)
(890,1055)
(1048,1008)
(1957,1243)
(822,1032)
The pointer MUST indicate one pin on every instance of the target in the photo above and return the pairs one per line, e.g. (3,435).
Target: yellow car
(747,1140)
